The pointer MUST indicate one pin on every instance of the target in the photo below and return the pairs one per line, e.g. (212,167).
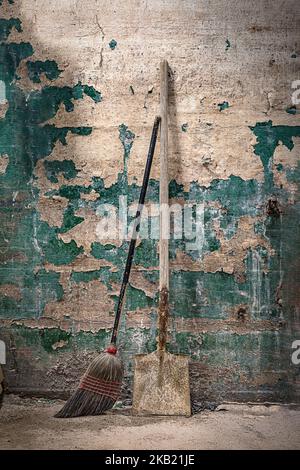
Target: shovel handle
(163,309)
(136,229)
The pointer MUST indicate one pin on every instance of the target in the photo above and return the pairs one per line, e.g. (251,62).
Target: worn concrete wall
(81,91)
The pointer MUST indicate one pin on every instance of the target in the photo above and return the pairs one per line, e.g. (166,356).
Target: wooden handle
(163,311)
(164,180)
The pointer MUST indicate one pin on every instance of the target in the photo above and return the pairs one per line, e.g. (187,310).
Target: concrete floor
(29,424)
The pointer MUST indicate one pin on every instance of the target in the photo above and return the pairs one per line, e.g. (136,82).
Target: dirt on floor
(29,424)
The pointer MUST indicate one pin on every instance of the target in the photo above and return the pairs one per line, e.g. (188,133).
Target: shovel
(161,380)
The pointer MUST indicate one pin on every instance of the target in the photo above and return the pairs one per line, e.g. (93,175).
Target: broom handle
(163,309)
(136,229)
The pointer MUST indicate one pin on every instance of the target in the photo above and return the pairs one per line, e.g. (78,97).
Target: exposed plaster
(4,159)
(229,258)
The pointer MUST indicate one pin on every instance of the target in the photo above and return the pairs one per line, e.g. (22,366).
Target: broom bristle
(98,390)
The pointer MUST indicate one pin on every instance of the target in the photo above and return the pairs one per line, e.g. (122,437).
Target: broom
(101,384)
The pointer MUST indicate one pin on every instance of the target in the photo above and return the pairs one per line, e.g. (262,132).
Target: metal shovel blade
(161,384)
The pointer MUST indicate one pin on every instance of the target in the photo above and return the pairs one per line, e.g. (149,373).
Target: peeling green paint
(184,127)
(127,138)
(293,174)
(240,349)
(42,139)
(90,91)
(203,295)
(268,138)
(44,339)
(103,274)
(24,139)
(228,45)
(55,250)
(229,225)
(36,291)
(70,220)
(48,67)
(137,298)
(73,192)
(145,254)
(85,276)
(6,26)
(11,54)
(223,105)
(44,104)
(113,44)
(291,110)
(54,167)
